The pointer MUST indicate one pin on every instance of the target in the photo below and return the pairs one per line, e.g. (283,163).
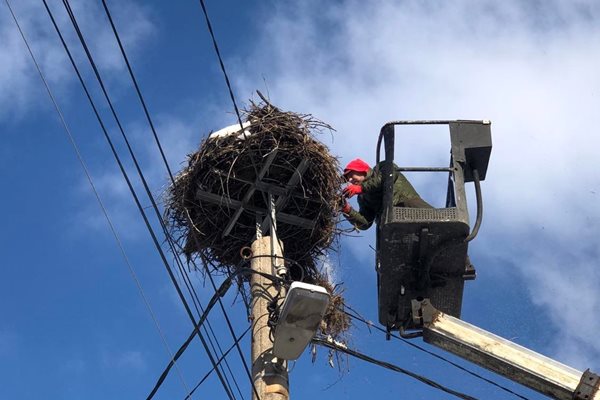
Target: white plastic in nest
(299,319)
(232,130)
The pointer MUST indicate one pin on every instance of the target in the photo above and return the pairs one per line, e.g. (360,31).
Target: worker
(367,184)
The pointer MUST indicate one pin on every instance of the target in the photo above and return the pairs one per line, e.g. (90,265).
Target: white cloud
(19,80)
(132,360)
(530,67)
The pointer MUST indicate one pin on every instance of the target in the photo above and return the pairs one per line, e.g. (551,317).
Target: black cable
(115,32)
(180,265)
(126,177)
(343,349)
(416,346)
(235,344)
(214,41)
(222,64)
(138,91)
(479,218)
(286,259)
(218,294)
(237,112)
(94,190)
(197,304)
(224,379)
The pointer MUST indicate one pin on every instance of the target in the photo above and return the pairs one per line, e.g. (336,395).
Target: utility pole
(269,373)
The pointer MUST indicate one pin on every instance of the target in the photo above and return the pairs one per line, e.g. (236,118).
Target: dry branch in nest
(226,167)
(335,322)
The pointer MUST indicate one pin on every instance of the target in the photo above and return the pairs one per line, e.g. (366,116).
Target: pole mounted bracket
(423,312)
(588,386)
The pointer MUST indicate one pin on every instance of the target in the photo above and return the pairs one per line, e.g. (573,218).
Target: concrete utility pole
(269,373)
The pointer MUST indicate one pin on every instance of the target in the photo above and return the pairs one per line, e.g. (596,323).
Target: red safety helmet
(357,165)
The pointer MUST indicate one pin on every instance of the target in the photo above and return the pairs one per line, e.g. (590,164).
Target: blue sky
(72,322)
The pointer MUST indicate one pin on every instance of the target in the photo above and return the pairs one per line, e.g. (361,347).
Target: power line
(132,190)
(227,82)
(218,294)
(235,344)
(157,140)
(216,47)
(137,89)
(370,324)
(164,159)
(239,118)
(97,195)
(215,298)
(343,349)
(134,159)
(197,304)
(73,20)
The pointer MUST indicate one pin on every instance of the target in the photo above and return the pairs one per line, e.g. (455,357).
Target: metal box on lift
(421,252)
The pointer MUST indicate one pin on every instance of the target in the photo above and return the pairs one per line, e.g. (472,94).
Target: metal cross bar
(425,169)
(439,122)
(282,200)
(267,187)
(264,169)
(232,203)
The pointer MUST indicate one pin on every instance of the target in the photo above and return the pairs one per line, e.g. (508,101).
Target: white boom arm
(504,357)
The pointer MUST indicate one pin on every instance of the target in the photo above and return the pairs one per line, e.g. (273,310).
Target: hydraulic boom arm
(504,357)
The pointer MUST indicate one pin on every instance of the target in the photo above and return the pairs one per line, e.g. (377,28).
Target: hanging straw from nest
(227,165)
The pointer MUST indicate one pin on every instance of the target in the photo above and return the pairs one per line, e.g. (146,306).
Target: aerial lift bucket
(422,252)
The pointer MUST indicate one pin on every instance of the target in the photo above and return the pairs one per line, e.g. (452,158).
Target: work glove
(351,190)
(346,208)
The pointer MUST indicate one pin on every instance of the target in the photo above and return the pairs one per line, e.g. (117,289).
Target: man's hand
(346,208)
(343,205)
(351,190)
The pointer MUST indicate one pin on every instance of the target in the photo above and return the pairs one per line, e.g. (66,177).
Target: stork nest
(227,168)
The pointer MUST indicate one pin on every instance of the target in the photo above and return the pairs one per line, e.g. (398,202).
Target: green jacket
(371,198)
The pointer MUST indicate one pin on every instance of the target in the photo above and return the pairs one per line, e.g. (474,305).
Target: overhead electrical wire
(355,315)
(222,64)
(200,309)
(158,143)
(137,89)
(218,294)
(166,163)
(235,344)
(215,298)
(239,118)
(132,190)
(226,76)
(180,265)
(97,196)
(182,271)
(343,349)
(223,378)
(132,271)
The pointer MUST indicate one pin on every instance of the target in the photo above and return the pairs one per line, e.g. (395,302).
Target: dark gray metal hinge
(588,386)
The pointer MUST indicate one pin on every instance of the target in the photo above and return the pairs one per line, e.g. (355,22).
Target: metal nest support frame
(266,219)
(272,190)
